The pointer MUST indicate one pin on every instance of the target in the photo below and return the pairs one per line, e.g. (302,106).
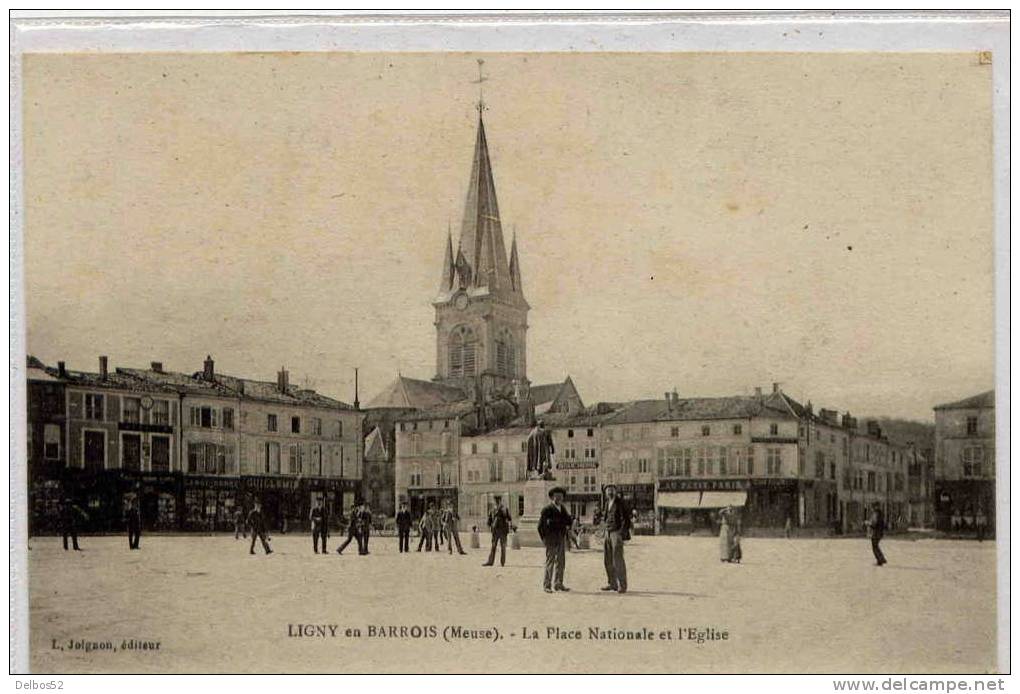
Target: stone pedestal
(536,497)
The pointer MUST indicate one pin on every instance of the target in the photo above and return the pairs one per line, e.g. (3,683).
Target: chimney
(157,366)
(757,392)
(810,408)
(62,369)
(208,369)
(281,380)
(357,404)
(828,415)
(676,398)
(849,422)
(775,388)
(873,428)
(103,368)
(669,401)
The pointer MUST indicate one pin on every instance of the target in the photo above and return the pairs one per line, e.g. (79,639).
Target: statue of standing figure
(540,453)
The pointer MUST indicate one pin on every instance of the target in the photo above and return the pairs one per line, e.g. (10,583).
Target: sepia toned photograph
(464,361)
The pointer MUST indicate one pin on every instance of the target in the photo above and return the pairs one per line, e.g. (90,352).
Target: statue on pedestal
(540,453)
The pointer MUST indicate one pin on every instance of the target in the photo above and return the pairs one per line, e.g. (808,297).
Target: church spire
(446,282)
(481,234)
(515,267)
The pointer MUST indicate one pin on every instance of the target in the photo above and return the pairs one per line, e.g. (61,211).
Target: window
(773,429)
(316,426)
(316,462)
(972,457)
(505,362)
(340,428)
(819,465)
(674,432)
(739,466)
(570,433)
(401,427)
(51,441)
(589,453)
(750,460)
(294,460)
(228,418)
(131,412)
(773,461)
(701,462)
(972,426)
(495,447)
(415,476)
(270,422)
(462,351)
(474,449)
(706,430)
(591,432)
(160,461)
(871,481)
(446,424)
(161,412)
(524,446)
(644,465)
(209,458)
(93,406)
(272,457)
(738,429)
(295,425)
(832,470)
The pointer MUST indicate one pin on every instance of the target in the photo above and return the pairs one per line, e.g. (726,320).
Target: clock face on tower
(461,302)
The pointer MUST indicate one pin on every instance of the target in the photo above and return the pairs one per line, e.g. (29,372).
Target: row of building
(194,448)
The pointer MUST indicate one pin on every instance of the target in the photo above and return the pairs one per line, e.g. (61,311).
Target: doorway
(95,450)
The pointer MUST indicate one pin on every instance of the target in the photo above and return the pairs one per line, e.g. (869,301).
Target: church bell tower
(481,314)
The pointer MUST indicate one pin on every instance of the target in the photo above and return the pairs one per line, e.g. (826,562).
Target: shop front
(582,505)
(640,499)
(420,498)
(688,505)
(158,496)
(210,502)
(961,505)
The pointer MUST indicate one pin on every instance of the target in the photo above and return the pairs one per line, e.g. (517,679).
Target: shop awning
(679,499)
(722,499)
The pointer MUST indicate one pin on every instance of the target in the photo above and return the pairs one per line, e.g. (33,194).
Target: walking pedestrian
(353,530)
(257,525)
(500,524)
(70,514)
(876,527)
(403,523)
(425,529)
(553,527)
(134,525)
(788,528)
(982,525)
(320,523)
(450,520)
(617,519)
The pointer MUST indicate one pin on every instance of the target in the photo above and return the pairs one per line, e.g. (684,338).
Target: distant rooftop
(982,400)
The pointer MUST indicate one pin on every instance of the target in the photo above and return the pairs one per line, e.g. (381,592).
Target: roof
(223,385)
(413,393)
(449,410)
(34,373)
(981,401)
(375,445)
(114,380)
(727,407)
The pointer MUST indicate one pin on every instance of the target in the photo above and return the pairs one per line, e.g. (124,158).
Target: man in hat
(364,528)
(257,523)
(450,519)
(876,528)
(499,525)
(69,515)
(319,521)
(403,523)
(540,451)
(617,520)
(553,527)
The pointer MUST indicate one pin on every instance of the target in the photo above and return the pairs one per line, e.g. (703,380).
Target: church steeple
(446,281)
(515,268)
(481,232)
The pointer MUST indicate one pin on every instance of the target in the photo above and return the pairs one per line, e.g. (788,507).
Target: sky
(705,221)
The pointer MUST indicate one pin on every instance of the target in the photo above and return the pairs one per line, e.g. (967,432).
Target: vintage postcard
(522,361)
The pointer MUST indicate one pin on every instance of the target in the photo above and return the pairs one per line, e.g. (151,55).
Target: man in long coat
(617,519)
(553,527)
(540,450)
(876,528)
(500,524)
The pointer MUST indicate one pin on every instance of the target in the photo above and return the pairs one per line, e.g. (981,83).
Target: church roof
(412,393)
(375,445)
(980,401)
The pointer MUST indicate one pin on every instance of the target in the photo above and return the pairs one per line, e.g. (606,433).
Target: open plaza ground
(803,605)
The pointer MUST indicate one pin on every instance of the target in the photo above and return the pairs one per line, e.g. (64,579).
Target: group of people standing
(435,527)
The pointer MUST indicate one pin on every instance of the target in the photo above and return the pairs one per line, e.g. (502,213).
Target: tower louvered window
(463,347)
(505,357)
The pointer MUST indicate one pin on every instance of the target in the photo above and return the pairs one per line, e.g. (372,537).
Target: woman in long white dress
(725,536)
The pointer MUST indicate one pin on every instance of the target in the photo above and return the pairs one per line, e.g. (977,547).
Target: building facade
(965,463)
(196,449)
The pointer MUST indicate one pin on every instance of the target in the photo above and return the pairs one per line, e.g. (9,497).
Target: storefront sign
(577,465)
(283,483)
(211,482)
(153,428)
(672,484)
